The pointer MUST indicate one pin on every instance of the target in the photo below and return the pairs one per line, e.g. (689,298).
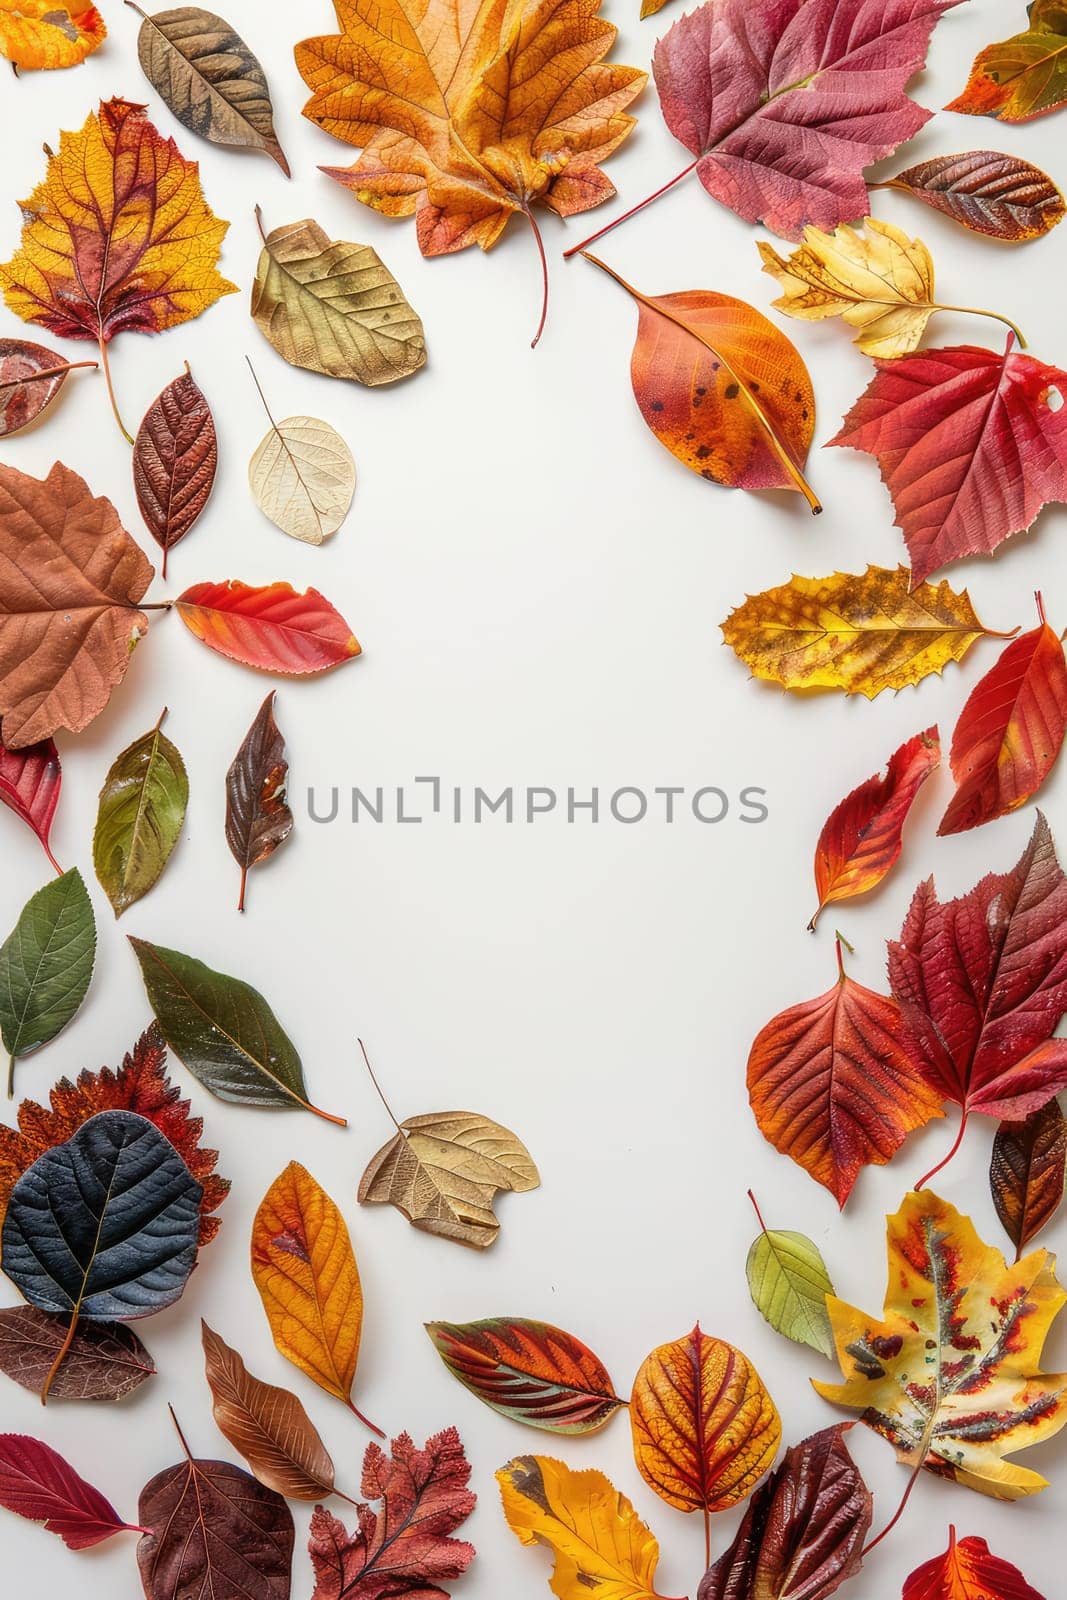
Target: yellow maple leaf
(48,34)
(950,1374)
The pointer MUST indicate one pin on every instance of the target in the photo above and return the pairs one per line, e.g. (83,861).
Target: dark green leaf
(105,1360)
(142,808)
(45,966)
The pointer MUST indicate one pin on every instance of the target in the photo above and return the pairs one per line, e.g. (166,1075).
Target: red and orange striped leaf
(1027,1171)
(269,627)
(529,1371)
(1010,732)
(705,1429)
(862,837)
(832,1084)
(968,1570)
(30,781)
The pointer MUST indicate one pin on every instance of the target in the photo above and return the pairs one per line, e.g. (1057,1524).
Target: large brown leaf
(70,582)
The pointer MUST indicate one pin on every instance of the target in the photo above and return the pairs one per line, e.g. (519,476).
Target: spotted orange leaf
(270,627)
(863,836)
(48,34)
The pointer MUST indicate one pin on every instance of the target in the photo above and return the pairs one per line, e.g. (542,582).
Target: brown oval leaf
(1027,1171)
(175,456)
(258,818)
(105,1361)
(31,376)
(986,191)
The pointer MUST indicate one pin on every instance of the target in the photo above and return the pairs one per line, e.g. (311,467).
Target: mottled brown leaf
(258,818)
(175,456)
(105,1360)
(1027,1171)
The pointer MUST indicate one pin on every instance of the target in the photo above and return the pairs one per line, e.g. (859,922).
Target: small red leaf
(863,836)
(36,1483)
(1027,1171)
(271,627)
(30,781)
(31,376)
(175,456)
(968,1571)
(1010,731)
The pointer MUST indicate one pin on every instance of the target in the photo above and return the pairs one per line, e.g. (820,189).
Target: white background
(538,586)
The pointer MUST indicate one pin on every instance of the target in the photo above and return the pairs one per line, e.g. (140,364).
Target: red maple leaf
(404,1548)
(140,1084)
(969,446)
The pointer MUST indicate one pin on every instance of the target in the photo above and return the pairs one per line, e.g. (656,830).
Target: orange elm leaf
(705,1430)
(861,839)
(968,1570)
(832,1084)
(270,627)
(1010,732)
(49,34)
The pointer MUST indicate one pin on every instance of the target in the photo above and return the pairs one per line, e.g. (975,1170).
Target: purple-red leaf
(175,456)
(36,1483)
(30,781)
(258,818)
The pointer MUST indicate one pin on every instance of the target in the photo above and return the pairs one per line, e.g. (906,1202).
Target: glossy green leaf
(142,808)
(224,1031)
(46,963)
(788,1281)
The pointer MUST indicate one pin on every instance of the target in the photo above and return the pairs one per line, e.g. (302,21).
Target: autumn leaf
(49,34)
(598,1540)
(175,455)
(982,983)
(1010,732)
(302,475)
(31,376)
(859,632)
(529,1371)
(470,115)
(30,781)
(969,445)
(305,1270)
(258,818)
(105,1360)
(140,817)
(1024,76)
(773,115)
(803,1530)
(862,838)
(118,237)
(985,191)
(209,78)
(788,1282)
(140,1085)
(46,966)
(968,1570)
(403,1548)
(37,1483)
(833,1085)
(718,384)
(950,1375)
(71,611)
(1027,1170)
(270,627)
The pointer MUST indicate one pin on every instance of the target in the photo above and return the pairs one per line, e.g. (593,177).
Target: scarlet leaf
(982,984)
(529,1371)
(36,1483)
(270,627)
(104,1361)
(832,1084)
(1027,1171)
(986,191)
(30,781)
(69,617)
(174,459)
(969,446)
(403,1548)
(1010,731)
(258,818)
(968,1570)
(862,838)
(31,376)
(803,1530)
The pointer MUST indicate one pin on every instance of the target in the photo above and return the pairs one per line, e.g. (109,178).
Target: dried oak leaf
(118,236)
(469,114)
(71,580)
(1024,76)
(48,33)
(141,1085)
(950,1374)
(403,1548)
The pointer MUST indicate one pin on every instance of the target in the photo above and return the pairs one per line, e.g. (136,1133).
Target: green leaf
(142,808)
(224,1031)
(788,1281)
(46,963)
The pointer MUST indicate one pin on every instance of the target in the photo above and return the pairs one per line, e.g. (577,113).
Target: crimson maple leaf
(404,1548)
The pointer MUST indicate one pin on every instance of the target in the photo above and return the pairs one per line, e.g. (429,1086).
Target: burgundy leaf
(36,1483)
(30,781)
(175,456)
(104,1361)
(258,818)
(1027,1172)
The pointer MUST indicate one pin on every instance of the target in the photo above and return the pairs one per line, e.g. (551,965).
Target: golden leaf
(859,632)
(49,34)
(600,1544)
(951,1375)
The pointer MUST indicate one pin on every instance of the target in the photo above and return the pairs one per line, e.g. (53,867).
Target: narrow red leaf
(30,780)
(968,1570)
(269,627)
(36,1483)
(1010,731)
(863,836)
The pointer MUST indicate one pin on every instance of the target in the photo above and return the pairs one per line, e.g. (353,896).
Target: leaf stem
(51,857)
(11,1069)
(105,363)
(759,1213)
(377,1085)
(575,249)
(327,1116)
(178,1431)
(924,1450)
(1039,602)
(58,1362)
(241,892)
(977,311)
(532,220)
(46,372)
(255,380)
(707,1537)
(263,236)
(367,1423)
(946,1159)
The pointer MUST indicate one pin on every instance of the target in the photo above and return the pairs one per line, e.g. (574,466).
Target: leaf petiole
(532,220)
(105,363)
(576,249)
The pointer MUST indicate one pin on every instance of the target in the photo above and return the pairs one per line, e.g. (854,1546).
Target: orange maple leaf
(469,111)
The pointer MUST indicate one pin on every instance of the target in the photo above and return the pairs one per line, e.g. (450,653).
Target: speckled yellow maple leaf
(46,33)
(950,1374)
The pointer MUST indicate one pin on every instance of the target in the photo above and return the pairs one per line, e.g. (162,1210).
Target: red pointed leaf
(863,836)
(986,191)
(1027,1171)
(1010,731)
(969,446)
(832,1085)
(968,1570)
(271,627)
(30,780)
(175,456)
(36,1483)
(31,376)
